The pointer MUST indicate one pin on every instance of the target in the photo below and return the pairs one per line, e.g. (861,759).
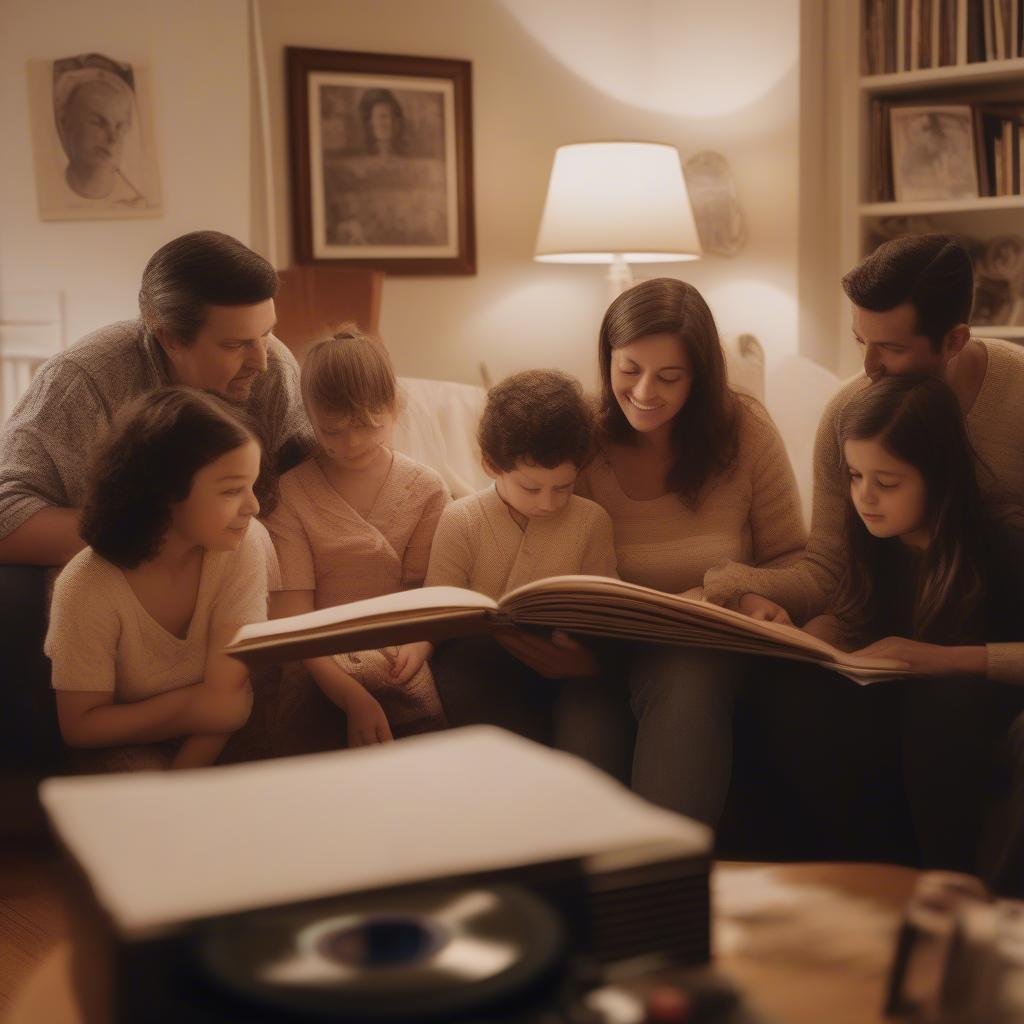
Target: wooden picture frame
(382,161)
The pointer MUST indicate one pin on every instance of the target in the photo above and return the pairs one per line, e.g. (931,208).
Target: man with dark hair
(911,304)
(207,316)
(207,305)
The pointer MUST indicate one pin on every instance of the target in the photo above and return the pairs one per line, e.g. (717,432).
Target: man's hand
(367,723)
(758,607)
(561,657)
(922,659)
(409,659)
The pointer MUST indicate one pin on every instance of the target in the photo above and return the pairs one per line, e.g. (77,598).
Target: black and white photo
(933,153)
(382,162)
(92,128)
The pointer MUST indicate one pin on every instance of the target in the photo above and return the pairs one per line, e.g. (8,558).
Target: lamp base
(620,277)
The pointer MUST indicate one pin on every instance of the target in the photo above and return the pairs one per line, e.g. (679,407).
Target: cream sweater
(479,546)
(995,425)
(101,639)
(751,514)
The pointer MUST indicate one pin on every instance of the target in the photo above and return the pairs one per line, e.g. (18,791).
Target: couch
(437,425)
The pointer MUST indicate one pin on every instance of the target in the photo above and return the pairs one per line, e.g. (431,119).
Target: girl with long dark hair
(934,581)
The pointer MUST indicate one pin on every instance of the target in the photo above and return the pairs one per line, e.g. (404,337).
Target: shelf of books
(940,104)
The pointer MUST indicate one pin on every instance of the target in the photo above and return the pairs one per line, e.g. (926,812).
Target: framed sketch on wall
(93,141)
(933,153)
(382,163)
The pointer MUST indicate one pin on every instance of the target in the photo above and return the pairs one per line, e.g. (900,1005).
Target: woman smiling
(691,473)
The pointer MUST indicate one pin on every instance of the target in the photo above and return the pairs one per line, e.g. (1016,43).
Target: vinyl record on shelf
(429,954)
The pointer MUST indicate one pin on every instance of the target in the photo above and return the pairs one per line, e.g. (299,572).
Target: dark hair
(941,598)
(931,272)
(146,462)
(538,416)
(200,269)
(349,374)
(369,100)
(705,432)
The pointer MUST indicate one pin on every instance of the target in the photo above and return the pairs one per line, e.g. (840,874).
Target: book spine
(915,35)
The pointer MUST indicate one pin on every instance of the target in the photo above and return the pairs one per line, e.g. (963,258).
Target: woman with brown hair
(691,473)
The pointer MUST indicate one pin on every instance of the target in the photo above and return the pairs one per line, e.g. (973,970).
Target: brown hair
(931,272)
(349,375)
(705,432)
(146,462)
(942,599)
(197,270)
(539,416)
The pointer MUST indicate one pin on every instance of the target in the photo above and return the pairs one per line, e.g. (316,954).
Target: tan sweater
(995,425)
(101,639)
(479,546)
(751,514)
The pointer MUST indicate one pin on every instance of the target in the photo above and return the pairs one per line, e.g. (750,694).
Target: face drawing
(94,124)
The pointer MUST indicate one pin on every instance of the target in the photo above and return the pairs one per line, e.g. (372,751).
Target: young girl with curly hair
(175,565)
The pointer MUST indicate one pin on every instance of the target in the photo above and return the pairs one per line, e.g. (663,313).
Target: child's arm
(416,556)
(454,550)
(92,719)
(367,722)
(200,751)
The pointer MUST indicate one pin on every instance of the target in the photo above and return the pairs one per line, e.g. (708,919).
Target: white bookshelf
(981,219)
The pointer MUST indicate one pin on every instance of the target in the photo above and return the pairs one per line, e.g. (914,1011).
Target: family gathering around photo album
(243,565)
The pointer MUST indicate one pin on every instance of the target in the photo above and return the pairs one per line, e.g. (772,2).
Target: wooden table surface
(807,943)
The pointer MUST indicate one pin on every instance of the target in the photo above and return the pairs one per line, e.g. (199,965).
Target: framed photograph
(933,153)
(93,140)
(382,161)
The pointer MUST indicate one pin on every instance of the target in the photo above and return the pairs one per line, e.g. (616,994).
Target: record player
(464,875)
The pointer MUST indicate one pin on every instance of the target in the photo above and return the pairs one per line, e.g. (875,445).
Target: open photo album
(586,605)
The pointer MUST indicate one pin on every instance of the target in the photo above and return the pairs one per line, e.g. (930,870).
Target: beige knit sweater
(995,425)
(479,546)
(750,514)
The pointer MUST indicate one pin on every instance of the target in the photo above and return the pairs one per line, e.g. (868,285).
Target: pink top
(324,545)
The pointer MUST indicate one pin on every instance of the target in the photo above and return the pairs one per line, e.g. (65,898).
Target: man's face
(95,123)
(228,352)
(892,346)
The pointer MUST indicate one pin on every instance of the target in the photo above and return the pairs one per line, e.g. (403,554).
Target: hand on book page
(758,607)
(921,659)
(560,657)
(576,605)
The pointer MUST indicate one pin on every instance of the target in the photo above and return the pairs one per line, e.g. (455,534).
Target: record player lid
(160,849)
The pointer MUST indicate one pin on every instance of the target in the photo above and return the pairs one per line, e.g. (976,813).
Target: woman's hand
(928,659)
(758,607)
(560,657)
(409,660)
(367,723)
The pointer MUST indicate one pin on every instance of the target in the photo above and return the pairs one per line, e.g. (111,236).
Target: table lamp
(617,203)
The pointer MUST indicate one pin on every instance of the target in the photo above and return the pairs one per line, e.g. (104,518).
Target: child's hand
(758,607)
(409,659)
(367,723)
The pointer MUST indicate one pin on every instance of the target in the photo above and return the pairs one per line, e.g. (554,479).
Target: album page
(589,605)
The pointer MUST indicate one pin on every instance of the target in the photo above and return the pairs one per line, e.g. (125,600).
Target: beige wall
(198,54)
(723,76)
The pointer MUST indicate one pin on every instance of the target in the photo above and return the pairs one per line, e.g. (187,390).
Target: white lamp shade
(617,199)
